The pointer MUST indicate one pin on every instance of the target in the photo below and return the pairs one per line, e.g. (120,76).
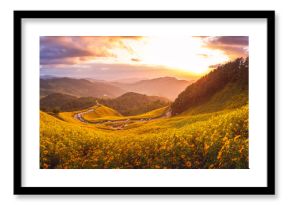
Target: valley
(199,125)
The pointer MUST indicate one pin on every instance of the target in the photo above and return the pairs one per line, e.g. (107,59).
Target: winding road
(79,116)
(118,124)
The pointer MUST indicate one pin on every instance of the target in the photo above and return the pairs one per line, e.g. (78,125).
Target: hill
(167,87)
(224,87)
(230,97)
(57,102)
(134,103)
(103,114)
(99,112)
(79,87)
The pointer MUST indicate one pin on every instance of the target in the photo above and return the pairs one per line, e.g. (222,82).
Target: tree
(203,89)
(55,110)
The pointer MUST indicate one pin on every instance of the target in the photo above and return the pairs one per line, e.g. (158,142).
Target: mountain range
(167,87)
(223,88)
(79,88)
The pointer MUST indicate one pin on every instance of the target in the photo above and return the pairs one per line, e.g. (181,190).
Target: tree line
(202,90)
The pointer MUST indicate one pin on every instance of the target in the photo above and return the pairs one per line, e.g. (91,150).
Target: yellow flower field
(212,140)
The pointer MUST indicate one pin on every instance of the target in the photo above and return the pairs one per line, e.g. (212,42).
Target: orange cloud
(69,50)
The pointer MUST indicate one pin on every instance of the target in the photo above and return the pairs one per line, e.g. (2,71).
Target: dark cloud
(72,49)
(135,60)
(57,60)
(60,51)
(232,40)
(54,50)
(233,46)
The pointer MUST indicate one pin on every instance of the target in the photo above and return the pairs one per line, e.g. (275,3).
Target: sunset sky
(140,57)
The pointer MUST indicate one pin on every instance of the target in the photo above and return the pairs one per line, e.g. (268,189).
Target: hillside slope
(174,143)
(133,103)
(61,102)
(99,112)
(167,87)
(230,97)
(225,87)
(79,88)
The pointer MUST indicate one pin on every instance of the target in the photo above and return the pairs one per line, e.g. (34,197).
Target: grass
(100,112)
(69,117)
(230,97)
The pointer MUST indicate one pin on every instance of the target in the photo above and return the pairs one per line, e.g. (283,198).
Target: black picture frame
(268,190)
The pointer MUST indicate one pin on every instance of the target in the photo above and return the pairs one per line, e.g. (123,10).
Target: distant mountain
(79,88)
(133,103)
(224,87)
(167,87)
(58,102)
(129,80)
(47,77)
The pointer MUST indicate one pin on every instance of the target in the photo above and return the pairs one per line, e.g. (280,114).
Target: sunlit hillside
(226,84)
(100,112)
(201,141)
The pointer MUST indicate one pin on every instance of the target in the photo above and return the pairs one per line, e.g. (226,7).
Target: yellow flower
(219,157)
(237,137)
(45,166)
(188,164)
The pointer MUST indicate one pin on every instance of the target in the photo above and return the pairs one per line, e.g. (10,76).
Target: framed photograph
(144,102)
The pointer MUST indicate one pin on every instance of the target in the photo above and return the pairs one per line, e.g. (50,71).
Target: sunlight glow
(180,53)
